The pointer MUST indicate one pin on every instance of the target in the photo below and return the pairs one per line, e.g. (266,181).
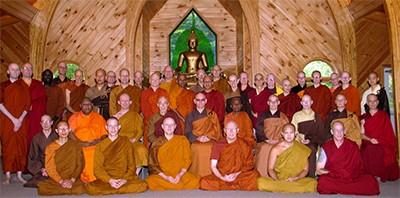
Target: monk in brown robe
(15,104)
(268,133)
(133,91)
(36,156)
(198,87)
(184,100)
(289,101)
(320,94)
(99,94)
(132,128)
(55,97)
(148,102)
(231,163)
(243,121)
(74,93)
(202,130)
(114,165)
(64,164)
(87,128)
(219,84)
(170,158)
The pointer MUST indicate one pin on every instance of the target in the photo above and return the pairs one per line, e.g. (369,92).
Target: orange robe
(115,160)
(234,157)
(173,90)
(170,157)
(88,128)
(353,99)
(63,162)
(16,99)
(245,126)
(184,102)
(148,105)
(134,94)
(221,85)
(322,100)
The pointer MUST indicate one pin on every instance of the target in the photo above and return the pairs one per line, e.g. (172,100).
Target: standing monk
(74,93)
(215,99)
(184,100)
(258,98)
(320,94)
(87,128)
(99,94)
(231,163)
(244,83)
(15,105)
(271,85)
(170,84)
(289,101)
(334,79)
(138,80)
(55,97)
(198,87)
(301,86)
(219,84)
(62,71)
(234,92)
(114,165)
(352,94)
(148,102)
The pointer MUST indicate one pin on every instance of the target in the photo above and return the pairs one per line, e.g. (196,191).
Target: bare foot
(6,181)
(21,180)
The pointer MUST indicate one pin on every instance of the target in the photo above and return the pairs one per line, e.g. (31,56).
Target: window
(322,67)
(70,72)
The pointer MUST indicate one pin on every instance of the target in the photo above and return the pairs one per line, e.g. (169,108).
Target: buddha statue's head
(192,40)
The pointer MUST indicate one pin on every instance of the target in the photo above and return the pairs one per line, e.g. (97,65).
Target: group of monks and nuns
(235,92)
(62,68)
(36,156)
(169,161)
(244,82)
(184,101)
(341,167)
(148,102)
(55,97)
(198,87)
(301,84)
(243,121)
(268,133)
(258,98)
(114,164)
(155,122)
(99,94)
(87,128)
(349,119)
(310,126)
(288,166)
(375,88)
(111,79)
(38,101)
(219,84)
(320,94)
(132,128)
(64,162)
(351,93)
(124,87)
(271,85)
(14,105)
(289,101)
(379,147)
(335,81)
(202,129)
(231,163)
(138,80)
(74,93)
(215,99)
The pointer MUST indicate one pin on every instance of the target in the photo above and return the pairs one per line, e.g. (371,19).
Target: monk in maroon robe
(258,98)
(289,101)
(321,95)
(215,100)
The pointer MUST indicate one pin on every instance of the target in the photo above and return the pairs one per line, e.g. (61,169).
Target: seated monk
(288,166)
(231,163)
(64,164)
(114,165)
(132,128)
(349,119)
(268,133)
(170,158)
(243,121)
(202,129)
(341,167)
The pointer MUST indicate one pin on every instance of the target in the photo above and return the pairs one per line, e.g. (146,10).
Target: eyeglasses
(46,121)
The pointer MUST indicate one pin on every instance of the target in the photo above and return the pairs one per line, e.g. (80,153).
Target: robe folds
(216,102)
(63,162)
(380,159)
(154,126)
(245,126)
(38,108)
(290,163)
(346,171)
(232,158)
(16,99)
(353,98)
(289,104)
(100,99)
(132,127)
(115,160)
(351,124)
(132,91)
(258,102)
(148,105)
(55,102)
(170,157)
(269,127)
(76,95)
(184,102)
(221,85)
(173,90)
(88,128)
(322,100)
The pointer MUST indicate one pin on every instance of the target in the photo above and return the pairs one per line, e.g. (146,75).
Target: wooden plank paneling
(20,9)
(360,8)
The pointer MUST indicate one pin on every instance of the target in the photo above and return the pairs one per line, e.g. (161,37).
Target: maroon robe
(289,104)
(216,103)
(258,103)
(38,109)
(322,100)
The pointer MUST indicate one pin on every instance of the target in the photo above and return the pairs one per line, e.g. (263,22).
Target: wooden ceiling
(17,10)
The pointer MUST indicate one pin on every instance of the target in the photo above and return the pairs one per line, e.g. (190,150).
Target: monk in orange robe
(202,129)
(352,94)
(289,101)
(88,129)
(219,84)
(15,104)
(114,165)
(268,133)
(243,121)
(133,91)
(74,93)
(148,102)
(170,84)
(169,161)
(231,163)
(184,100)
(321,95)
(64,163)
